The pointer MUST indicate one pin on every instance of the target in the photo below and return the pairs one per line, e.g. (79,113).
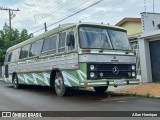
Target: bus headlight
(92,67)
(133,67)
(92,75)
(133,74)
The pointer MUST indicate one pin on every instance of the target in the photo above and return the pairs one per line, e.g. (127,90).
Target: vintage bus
(73,56)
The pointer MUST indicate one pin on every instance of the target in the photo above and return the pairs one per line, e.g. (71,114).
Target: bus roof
(56,30)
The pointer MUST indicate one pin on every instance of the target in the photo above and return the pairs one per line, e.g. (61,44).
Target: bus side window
(36,48)
(24,51)
(61,43)
(53,42)
(31,53)
(70,42)
(6,57)
(9,57)
(46,44)
(13,56)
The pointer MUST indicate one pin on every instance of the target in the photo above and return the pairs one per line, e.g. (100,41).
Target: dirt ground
(146,89)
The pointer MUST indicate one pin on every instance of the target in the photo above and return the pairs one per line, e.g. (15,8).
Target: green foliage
(9,38)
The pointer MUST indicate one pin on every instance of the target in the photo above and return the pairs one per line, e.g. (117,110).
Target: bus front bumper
(120,82)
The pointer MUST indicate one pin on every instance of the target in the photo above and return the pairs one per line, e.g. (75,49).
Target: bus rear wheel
(101,89)
(15,82)
(60,88)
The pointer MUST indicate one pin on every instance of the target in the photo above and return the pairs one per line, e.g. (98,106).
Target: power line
(93,13)
(55,9)
(30,18)
(51,6)
(109,7)
(71,11)
(72,14)
(65,15)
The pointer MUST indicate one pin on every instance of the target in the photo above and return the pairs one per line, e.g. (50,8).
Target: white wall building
(149,47)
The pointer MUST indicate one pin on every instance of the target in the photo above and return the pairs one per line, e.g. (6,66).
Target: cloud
(29,5)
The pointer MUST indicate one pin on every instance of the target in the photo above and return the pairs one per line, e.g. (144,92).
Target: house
(132,25)
(149,47)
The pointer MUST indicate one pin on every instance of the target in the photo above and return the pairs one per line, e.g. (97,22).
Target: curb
(132,94)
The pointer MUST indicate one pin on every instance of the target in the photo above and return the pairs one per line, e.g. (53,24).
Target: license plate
(118,82)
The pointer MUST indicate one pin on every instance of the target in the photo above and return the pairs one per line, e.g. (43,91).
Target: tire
(100,89)
(15,82)
(60,88)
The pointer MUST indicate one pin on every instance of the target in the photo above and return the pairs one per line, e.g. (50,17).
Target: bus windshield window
(96,37)
(119,40)
(91,37)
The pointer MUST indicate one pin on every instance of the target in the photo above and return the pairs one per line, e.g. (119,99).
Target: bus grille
(112,71)
(108,70)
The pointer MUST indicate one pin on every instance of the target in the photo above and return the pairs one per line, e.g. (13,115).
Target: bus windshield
(95,37)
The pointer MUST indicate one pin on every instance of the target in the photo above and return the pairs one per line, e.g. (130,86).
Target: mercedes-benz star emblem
(115,70)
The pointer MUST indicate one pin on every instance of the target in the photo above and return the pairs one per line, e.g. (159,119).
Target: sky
(34,13)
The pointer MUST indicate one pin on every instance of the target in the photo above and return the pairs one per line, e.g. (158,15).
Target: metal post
(153,6)
(45,26)
(10,19)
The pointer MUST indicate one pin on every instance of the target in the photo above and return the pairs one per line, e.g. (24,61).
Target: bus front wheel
(101,89)
(60,88)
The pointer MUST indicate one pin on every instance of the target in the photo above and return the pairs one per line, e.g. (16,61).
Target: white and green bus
(73,56)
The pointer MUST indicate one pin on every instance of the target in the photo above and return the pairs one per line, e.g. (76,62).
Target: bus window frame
(65,49)
(15,54)
(107,27)
(51,49)
(28,52)
(35,56)
(75,42)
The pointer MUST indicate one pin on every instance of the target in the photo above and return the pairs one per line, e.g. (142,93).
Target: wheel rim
(15,83)
(58,84)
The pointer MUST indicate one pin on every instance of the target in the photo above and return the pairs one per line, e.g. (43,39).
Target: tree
(9,38)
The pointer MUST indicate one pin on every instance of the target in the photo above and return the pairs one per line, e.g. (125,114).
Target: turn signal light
(86,51)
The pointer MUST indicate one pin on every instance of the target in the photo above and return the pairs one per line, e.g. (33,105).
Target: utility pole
(45,26)
(10,14)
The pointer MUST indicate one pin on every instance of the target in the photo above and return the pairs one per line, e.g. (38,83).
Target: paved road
(45,99)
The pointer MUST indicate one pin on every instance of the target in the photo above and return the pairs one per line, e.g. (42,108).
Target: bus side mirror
(70,40)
